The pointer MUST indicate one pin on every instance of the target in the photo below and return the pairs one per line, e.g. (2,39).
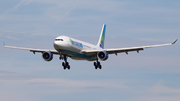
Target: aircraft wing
(32,49)
(126,50)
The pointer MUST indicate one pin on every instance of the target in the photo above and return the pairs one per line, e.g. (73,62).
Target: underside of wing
(126,50)
(113,51)
(33,49)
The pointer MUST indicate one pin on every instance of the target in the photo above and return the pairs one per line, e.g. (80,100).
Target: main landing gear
(97,65)
(65,64)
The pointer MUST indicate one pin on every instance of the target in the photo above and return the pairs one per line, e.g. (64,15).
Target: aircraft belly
(76,55)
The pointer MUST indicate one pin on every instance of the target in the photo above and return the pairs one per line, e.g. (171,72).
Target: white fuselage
(73,47)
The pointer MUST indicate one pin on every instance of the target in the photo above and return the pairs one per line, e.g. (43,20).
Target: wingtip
(175,41)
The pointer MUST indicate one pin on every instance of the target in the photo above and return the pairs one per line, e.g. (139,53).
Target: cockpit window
(58,39)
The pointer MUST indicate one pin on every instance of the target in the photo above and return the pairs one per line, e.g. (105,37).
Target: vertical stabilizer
(102,37)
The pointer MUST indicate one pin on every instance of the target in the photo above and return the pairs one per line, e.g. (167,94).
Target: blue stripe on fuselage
(76,55)
(76,43)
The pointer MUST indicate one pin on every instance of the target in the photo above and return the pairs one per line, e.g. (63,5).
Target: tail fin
(102,37)
(3,43)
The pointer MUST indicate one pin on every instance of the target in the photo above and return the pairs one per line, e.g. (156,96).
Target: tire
(63,64)
(64,68)
(95,64)
(95,67)
(68,67)
(100,66)
(67,63)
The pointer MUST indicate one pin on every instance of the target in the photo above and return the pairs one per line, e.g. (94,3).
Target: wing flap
(114,51)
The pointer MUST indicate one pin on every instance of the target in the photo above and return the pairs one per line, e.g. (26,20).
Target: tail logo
(3,43)
(102,42)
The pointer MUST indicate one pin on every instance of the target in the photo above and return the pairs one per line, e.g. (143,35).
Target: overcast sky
(151,75)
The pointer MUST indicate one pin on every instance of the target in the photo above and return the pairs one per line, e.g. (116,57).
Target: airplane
(79,50)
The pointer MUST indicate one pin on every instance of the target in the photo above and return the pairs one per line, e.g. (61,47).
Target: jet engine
(47,56)
(102,55)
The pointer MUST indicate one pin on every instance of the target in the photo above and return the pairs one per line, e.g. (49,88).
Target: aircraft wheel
(63,64)
(95,64)
(67,63)
(68,67)
(96,67)
(100,66)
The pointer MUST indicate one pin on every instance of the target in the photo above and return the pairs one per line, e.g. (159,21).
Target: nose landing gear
(65,64)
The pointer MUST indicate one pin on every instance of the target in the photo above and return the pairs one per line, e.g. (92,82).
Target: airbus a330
(79,50)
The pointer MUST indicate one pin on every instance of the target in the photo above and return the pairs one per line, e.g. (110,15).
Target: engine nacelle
(47,56)
(102,55)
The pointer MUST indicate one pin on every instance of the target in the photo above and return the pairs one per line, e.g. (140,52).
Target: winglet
(3,43)
(175,41)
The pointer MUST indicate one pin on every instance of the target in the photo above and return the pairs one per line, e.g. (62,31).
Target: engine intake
(47,56)
(102,55)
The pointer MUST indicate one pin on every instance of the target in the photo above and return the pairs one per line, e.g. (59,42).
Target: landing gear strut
(65,64)
(97,65)
(61,57)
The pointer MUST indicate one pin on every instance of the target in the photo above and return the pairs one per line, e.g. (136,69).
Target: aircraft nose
(56,45)
(60,45)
